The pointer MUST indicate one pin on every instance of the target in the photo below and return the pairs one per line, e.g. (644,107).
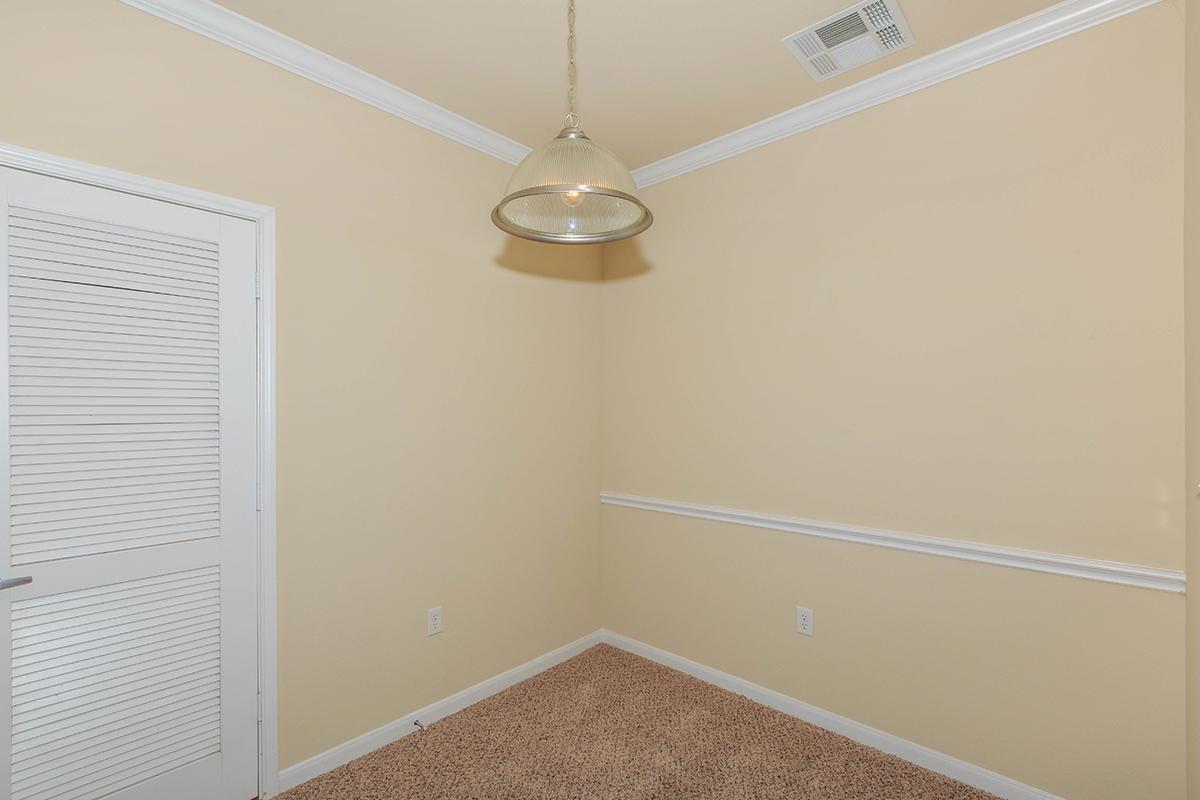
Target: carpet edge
(335,757)
(922,756)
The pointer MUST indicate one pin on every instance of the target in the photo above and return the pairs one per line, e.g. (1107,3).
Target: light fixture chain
(572,117)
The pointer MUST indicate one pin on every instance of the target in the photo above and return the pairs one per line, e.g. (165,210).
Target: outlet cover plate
(804,620)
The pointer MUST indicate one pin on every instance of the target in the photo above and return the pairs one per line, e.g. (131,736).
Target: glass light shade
(571,191)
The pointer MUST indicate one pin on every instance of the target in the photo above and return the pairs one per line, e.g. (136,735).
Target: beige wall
(437,411)
(1192,300)
(957,314)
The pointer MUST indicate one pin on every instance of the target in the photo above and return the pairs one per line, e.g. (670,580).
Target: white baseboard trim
(373,740)
(923,756)
(1165,580)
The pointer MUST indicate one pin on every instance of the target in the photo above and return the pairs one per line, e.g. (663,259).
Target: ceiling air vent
(857,35)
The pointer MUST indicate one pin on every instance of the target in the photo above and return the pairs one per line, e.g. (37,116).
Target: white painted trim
(888,743)
(373,740)
(225,26)
(264,216)
(1073,566)
(232,29)
(268,729)
(1024,34)
(923,756)
(93,175)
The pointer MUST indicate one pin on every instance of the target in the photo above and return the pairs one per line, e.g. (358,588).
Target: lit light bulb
(572,198)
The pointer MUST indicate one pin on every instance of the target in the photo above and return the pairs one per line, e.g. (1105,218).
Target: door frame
(264,218)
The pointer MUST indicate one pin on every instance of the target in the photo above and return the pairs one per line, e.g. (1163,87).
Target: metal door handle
(9,583)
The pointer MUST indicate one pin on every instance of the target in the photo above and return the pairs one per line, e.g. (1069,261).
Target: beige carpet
(608,725)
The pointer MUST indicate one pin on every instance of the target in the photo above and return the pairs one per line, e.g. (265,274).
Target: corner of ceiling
(995,45)
(222,25)
(241,33)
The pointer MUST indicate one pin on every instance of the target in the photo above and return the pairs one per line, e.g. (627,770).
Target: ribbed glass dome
(571,190)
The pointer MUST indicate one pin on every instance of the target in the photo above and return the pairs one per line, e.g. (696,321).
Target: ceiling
(655,76)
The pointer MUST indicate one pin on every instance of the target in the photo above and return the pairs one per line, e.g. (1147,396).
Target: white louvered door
(128,667)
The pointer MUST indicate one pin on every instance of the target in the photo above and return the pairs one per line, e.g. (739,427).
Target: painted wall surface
(437,381)
(1192,301)
(957,314)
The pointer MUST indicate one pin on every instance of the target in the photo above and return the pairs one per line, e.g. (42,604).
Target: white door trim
(264,217)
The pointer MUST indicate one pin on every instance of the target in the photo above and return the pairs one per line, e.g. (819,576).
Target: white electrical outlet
(804,621)
(433,621)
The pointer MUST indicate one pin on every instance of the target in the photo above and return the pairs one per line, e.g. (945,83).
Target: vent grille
(854,37)
(878,13)
(891,37)
(824,65)
(810,45)
(842,30)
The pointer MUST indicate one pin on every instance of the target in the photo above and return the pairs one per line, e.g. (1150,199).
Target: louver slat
(113,351)
(114,684)
(132,462)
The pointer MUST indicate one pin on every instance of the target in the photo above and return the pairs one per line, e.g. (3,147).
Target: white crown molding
(232,29)
(222,25)
(949,766)
(1024,34)
(1071,566)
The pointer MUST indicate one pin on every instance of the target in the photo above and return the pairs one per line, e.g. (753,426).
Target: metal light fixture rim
(561,238)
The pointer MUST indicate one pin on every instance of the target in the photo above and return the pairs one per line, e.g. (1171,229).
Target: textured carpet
(609,725)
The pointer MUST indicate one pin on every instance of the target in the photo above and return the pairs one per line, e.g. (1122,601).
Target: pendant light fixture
(571,190)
